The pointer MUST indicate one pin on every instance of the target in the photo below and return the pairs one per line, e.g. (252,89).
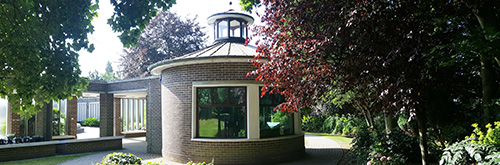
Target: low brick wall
(27,151)
(89,145)
(261,151)
(51,148)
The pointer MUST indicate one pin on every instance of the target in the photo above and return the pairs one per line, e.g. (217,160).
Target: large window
(221,112)
(273,123)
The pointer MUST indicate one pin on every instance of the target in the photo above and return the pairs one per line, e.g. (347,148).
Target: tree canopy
(395,53)
(167,36)
(39,40)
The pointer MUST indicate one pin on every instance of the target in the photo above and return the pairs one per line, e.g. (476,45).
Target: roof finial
(230,6)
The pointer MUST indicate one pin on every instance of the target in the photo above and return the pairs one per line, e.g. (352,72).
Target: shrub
(370,144)
(121,158)
(467,152)
(93,122)
(492,136)
(312,123)
(479,148)
(203,163)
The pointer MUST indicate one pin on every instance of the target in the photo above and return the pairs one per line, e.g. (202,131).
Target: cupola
(230,26)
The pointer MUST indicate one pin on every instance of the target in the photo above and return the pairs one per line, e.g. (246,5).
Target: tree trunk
(390,121)
(488,85)
(422,132)
(485,15)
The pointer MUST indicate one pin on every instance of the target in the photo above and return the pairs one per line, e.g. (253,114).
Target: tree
(39,40)
(166,37)
(108,75)
(393,47)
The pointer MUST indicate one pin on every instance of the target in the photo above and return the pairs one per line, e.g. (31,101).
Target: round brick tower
(212,111)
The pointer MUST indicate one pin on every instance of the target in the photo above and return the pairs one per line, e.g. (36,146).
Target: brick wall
(106,115)
(81,146)
(176,114)
(50,148)
(14,121)
(20,153)
(117,122)
(72,107)
(153,117)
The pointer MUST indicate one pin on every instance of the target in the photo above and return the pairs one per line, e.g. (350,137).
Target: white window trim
(253,130)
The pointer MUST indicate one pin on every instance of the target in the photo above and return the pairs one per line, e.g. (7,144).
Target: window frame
(196,110)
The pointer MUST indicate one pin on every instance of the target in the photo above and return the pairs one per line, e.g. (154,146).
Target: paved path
(320,150)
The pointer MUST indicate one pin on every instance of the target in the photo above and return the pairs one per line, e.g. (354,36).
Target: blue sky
(109,48)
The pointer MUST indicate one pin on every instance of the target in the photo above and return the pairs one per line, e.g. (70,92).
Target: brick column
(13,122)
(72,114)
(118,122)
(106,114)
(43,123)
(153,117)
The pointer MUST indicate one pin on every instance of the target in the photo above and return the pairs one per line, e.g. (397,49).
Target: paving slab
(319,150)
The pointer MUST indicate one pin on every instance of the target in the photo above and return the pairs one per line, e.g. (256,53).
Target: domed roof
(218,52)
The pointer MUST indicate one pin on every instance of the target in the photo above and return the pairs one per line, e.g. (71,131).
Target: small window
(273,123)
(223,29)
(221,112)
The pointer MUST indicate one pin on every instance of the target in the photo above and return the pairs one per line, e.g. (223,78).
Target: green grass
(345,142)
(208,128)
(45,161)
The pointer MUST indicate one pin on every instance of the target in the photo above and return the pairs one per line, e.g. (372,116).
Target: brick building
(201,106)
(211,109)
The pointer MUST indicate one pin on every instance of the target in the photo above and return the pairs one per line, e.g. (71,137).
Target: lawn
(45,161)
(209,128)
(344,142)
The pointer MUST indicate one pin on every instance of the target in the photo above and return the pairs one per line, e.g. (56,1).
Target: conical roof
(218,52)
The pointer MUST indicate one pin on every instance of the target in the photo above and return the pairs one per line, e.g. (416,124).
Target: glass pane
(266,100)
(3,116)
(238,96)
(273,124)
(235,28)
(203,96)
(220,95)
(245,29)
(223,29)
(221,122)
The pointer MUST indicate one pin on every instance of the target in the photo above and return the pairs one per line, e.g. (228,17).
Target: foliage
(109,75)
(380,159)
(312,123)
(92,121)
(203,163)
(248,5)
(467,152)
(39,41)
(492,136)
(398,145)
(38,45)
(3,128)
(334,124)
(167,36)
(120,158)
(58,118)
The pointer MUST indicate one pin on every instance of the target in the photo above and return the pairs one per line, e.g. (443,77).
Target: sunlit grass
(208,128)
(344,142)
(45,161)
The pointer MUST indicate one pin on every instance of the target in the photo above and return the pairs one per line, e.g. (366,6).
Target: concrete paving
(320,150)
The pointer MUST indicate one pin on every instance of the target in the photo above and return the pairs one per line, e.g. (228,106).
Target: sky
(109,48)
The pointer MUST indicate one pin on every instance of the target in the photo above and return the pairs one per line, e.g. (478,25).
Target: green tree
(108,75)
(39,41)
